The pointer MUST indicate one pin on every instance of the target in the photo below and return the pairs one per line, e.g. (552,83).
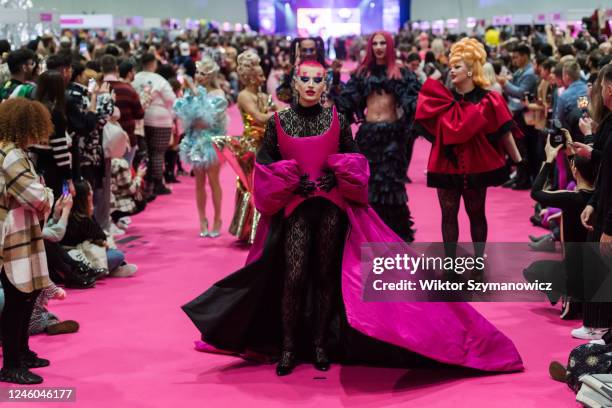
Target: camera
(557,136)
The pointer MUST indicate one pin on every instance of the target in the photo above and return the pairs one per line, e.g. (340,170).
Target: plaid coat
(24,202)
(125,189)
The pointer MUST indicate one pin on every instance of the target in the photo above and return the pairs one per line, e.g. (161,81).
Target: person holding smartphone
(597,215)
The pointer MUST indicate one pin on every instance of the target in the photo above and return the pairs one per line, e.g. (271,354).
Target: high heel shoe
(204,231)
(216,231)
(321,361)
(286,364)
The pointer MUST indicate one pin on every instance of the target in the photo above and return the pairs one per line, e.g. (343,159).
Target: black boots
(22,374)
(19,375)
(321,361)
(160,188)
(171,158)
(523,180)
(286,363)
(31,360)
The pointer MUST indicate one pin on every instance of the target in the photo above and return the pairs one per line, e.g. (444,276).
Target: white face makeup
(379,47)
(204,79)
(459,72)
(310,84)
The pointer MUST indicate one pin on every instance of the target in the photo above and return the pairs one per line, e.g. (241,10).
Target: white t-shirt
(159,112)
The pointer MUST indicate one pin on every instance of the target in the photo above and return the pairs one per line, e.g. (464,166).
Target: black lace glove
(306,187)
(327,181)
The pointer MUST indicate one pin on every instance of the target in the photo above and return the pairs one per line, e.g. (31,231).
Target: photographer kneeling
(571,203)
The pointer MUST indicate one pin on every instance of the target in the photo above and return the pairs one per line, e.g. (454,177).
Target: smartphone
(65,189)
(83,48)
(91,85)
(583,105)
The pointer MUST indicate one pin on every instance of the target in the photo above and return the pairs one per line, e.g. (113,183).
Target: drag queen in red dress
(470,130)
(299,297)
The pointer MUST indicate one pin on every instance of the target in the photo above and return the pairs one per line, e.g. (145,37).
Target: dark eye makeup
(316,80)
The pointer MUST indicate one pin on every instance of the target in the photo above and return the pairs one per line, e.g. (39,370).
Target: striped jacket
(24,202)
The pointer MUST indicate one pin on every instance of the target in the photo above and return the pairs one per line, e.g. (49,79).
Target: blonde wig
(207,66)
(248,61)
(474,55)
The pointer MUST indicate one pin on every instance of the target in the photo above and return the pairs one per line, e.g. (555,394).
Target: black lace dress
(290,299)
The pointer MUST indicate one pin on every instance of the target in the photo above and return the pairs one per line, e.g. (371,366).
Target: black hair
(522,49)
(112,49)
(125,46)
(546,49)
(430,57)
(147,59)
(80,207)
(413,56)
(5,46)
(497,66)
(93,65)
(605,60)
(566,49)
(125,68)
(51,89)
(167,71)
(190,67)
(319,45)
(549,64)
(58,61)
(541,58)
(108,64)
(17,59)
(595,57)
(33,45)
(77,69)
(586,168)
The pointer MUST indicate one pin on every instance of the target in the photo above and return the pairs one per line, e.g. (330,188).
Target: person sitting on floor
(82,228)
(126,191)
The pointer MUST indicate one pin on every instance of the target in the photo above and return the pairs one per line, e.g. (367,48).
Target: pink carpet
(135,346)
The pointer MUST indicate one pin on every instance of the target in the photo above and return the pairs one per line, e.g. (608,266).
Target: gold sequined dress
(243,149)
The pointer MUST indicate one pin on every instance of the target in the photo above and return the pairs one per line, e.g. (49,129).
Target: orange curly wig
(24,122)
(474,55)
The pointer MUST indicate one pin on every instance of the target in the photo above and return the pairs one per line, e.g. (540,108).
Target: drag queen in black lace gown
(300,294)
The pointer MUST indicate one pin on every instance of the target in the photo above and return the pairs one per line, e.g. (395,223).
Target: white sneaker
(600,342)
(122,224)
(115,230)
(124,271)
(588,333)
(126,220)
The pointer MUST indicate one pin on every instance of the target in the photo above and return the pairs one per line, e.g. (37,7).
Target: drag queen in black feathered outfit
(389,94)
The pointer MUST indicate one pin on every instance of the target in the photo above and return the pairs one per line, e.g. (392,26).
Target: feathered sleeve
(204,107)
(352,101)
(216,118)
(407,92)
(347,143)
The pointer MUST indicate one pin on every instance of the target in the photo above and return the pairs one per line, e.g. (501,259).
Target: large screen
(326,22)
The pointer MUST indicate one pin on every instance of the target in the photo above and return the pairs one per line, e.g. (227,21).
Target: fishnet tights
(314,238)
(474,201)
